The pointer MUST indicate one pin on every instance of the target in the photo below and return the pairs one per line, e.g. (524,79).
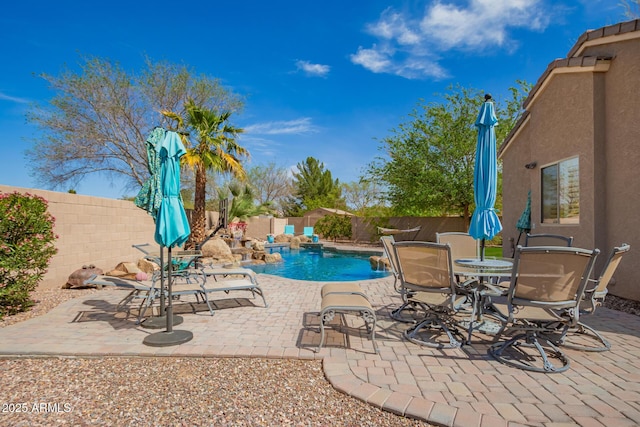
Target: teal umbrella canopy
(524,223)
(485,223)
(150,196)
(172,225)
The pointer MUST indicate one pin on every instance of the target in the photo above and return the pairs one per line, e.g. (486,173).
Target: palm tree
(215,148)
(243,203)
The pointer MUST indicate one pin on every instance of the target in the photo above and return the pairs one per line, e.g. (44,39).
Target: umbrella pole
(162,301)
(482,250)
(161,320)
(169,310)
(168,337)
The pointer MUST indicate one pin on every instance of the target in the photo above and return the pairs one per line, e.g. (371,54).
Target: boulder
(77,278)
(379,263)
(273,258)
(217,249)
(282,238)
(258,245)
(126,270)
(295,242)
(147,266)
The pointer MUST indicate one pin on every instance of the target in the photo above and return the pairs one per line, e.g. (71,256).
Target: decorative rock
(273,258)
(77,278)
(147,266)
(295,242)
(282,238)
(258,246)
(379,263)
(217,249)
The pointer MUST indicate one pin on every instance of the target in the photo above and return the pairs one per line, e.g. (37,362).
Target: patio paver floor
(457,387)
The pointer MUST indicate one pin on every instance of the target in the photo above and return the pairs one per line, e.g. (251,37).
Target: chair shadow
(103,311)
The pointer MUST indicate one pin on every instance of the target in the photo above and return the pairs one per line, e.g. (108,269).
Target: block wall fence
(101,231)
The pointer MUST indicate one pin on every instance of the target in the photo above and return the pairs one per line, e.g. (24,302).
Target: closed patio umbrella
(485,224)
(172,228)
(524,222)
(149,198)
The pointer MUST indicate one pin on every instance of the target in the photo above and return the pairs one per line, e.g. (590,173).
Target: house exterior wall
(594,115)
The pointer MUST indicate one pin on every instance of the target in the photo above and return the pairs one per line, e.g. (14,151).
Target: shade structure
(485,223)
(172,228)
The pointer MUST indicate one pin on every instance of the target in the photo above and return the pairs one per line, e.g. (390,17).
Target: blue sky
(326,79)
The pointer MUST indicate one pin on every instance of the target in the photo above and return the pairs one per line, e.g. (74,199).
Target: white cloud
(6,97)
(310,69)
(298,126)
(372,59)
(483,24)
(412,46)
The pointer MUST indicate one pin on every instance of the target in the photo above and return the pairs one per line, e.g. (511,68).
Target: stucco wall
(91,230)
(596,116)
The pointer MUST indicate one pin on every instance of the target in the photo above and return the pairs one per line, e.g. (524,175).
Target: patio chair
(541,305)
(225,280)
(289,229)
(426,274)
(583,337)
(547,240)
(308,231)
(462,244)
(397,314)
(148,292)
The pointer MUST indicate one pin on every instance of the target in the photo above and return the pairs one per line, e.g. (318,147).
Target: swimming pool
(321,265)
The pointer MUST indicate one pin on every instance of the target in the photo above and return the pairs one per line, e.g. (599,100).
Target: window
(561,192)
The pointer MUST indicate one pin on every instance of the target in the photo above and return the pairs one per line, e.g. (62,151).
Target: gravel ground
(180,391)
(172,391)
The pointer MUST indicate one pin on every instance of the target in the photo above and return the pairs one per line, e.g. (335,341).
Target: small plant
(26,247)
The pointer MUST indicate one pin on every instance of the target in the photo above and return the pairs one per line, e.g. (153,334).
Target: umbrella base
(166,339)
(160,322)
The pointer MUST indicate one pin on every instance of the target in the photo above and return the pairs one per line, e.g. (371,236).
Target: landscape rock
(273,258)
(217,249)
(77,278)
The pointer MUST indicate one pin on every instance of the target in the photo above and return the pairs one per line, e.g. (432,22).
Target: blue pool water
(321,265)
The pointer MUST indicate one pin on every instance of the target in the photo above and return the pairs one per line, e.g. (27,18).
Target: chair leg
(584,332)
(513,352)
(433,324)
(409,306)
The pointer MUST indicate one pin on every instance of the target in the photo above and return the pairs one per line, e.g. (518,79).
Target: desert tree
(100,116)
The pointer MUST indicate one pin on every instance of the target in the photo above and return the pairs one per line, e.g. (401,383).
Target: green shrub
(26,247)
(334,226)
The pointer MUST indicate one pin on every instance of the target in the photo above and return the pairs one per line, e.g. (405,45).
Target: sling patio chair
(462,244)
(148,291)
(223,279)
(584,337)
(408,310)
(542,302)
(426,275)
(547,240)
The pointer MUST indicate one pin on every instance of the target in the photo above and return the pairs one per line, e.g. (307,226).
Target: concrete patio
(461,387)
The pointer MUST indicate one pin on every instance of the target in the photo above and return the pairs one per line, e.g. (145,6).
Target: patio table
(488,270)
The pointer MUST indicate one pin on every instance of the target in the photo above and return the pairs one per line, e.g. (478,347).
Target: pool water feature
(321,264)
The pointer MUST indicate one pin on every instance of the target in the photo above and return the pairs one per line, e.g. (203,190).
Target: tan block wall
(91,230)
